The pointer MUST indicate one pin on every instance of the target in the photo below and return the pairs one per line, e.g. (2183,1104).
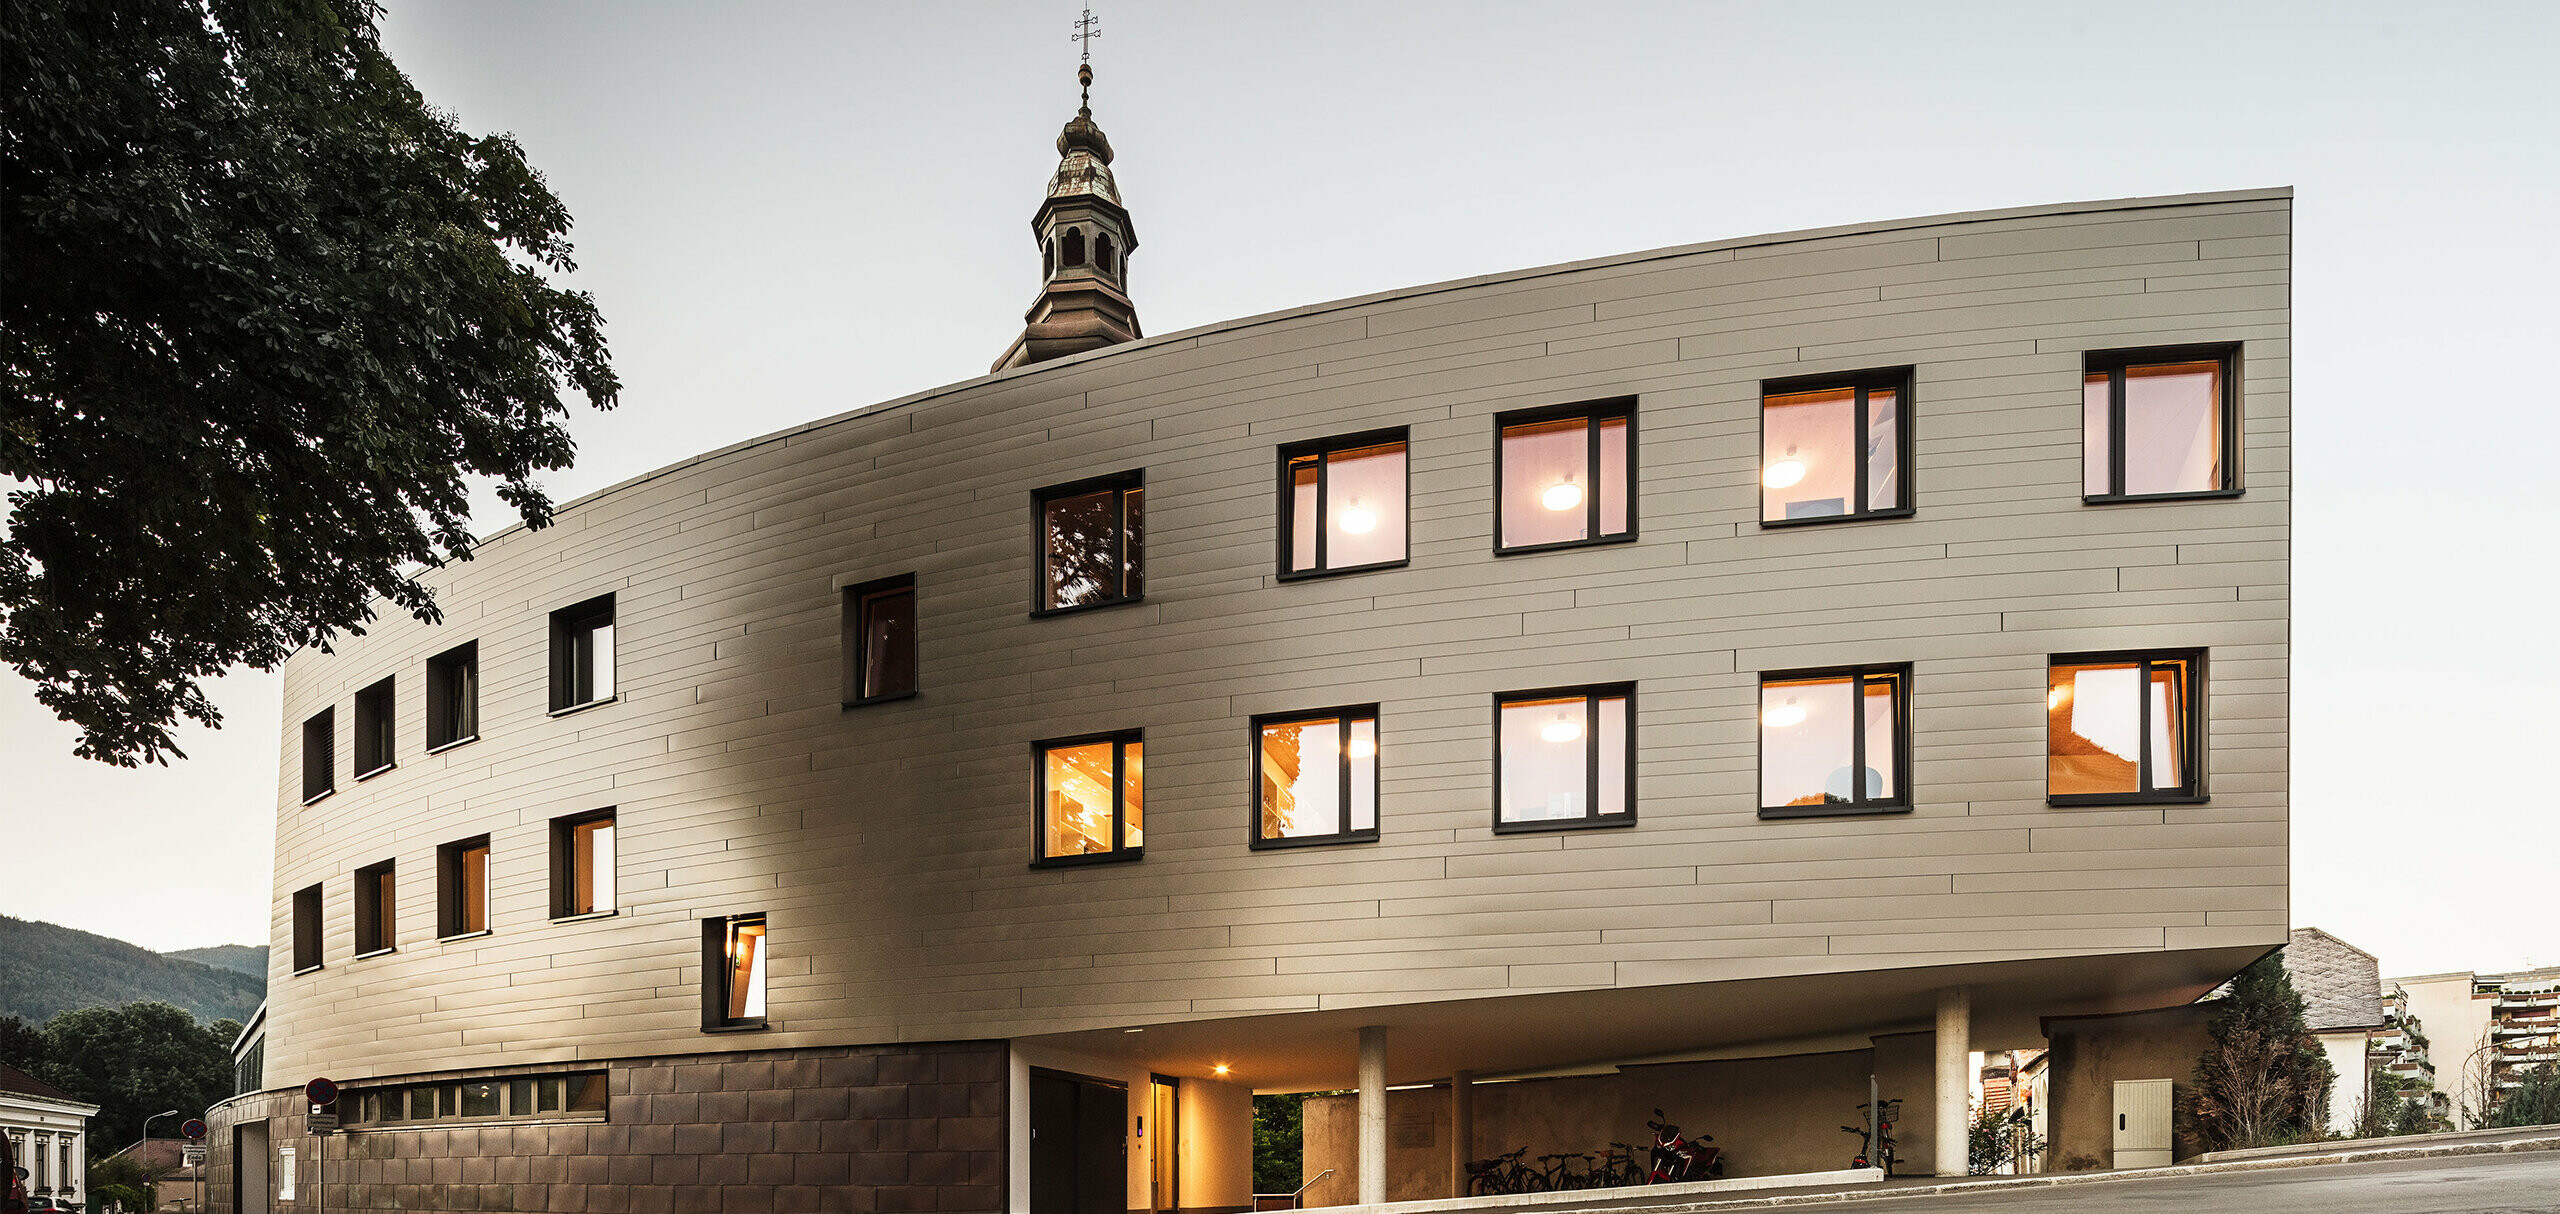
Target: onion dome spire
(1085,236)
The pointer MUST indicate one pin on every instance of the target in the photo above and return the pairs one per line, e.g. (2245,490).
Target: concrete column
(1954,1086)
(1462,1129)
(1373,1115)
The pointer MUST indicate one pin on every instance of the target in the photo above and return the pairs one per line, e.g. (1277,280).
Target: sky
(788,211)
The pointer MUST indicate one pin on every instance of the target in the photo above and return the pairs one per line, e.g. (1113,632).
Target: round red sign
(321,1092)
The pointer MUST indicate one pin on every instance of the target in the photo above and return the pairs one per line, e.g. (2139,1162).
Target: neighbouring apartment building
(1772,662)
(2484,1031)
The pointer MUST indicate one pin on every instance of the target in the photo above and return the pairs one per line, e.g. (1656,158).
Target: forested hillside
(250,959)
(46,969)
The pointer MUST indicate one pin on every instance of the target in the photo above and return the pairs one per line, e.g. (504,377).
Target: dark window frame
(1324,449)
(321,779)
(377,724)
(464,658)
(567,625)
(1120,852)
(1901,802)
(449,902)
(1592,694)
(857,639)
(1596,411)
(2192,791)
(310,943)
(1120,483)
(1902,381)
(1346,715)
(564,831)
(393,1107)
(373,937)
(717,931)
(2115,363)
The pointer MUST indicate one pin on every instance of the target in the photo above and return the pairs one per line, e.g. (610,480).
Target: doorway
(1079,1144)
(1164,1145)
(249,1168)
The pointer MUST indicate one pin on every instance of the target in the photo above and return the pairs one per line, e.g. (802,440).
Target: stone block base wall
(860,1130)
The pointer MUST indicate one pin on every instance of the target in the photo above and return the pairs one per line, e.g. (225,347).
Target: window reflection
(1092,799)
(1346,506)
(1092,547)
(1833,740)
(2174,423)
(1564,479)
(888,639)
(1833,451)
(2099,716)
(1317,777)
(1555,767)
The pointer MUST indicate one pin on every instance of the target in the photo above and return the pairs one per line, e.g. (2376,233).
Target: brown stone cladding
(862,1130)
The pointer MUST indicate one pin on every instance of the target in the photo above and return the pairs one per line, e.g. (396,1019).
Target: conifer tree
(2264,1079)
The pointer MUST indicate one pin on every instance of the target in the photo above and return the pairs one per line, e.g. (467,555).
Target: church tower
(1085,239)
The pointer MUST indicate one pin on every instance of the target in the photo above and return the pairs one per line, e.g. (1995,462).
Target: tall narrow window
(1565,476)
(1565,758)
(1834,447)
(376,741)
(1092,540)
(1834,742)
(1316,776)
(2125,727)
(582,654)
(1342,504)
(2161,423)
(320,755)
(453,696)
(582,864)
(376,927)
(462,887)
(1092,805)
(733,965)
(306,929)
(880,640)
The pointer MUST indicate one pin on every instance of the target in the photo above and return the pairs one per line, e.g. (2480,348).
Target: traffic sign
(321,1092)
(193,1129)
(191,1156)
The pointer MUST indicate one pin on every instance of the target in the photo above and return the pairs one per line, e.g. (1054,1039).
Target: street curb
(1953,1188)
(2397,1141)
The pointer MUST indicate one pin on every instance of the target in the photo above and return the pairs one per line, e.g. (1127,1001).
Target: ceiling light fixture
(1563,495)
(1359,521)
(1783,715)
(1362,748)
(1562,729)
(1219,1069)
(1784,473)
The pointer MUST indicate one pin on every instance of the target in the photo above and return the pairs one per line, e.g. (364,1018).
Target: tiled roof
(2341,985)
(158,1156)
(14,1080)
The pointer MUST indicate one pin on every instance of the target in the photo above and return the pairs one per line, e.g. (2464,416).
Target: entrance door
(249,1168)
(1164,1145)
(1079,1145)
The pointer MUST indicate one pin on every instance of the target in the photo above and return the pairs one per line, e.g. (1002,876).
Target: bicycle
(1502,1174)
(1879,1141)
(1618,1167)
(1559,1175)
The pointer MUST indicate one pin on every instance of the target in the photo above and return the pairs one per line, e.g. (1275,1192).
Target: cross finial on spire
(1088,28)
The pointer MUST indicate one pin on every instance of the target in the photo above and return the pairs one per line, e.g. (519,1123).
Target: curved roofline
(1193,336)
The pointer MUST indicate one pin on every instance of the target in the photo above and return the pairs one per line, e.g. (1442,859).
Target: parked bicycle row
(1673,1158)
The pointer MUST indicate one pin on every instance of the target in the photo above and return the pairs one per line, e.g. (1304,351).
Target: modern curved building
(1825,653)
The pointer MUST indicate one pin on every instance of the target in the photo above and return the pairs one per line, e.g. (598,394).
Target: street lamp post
(146,1137)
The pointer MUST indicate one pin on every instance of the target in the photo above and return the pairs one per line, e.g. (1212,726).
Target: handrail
(1295,1197)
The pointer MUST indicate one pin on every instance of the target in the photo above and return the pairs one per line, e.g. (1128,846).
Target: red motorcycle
(1676,1159)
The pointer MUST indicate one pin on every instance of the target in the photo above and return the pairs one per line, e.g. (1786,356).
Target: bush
(2537,1102)
(2264,1080)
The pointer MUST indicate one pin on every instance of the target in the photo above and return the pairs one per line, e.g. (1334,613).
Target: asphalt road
(2526,1182)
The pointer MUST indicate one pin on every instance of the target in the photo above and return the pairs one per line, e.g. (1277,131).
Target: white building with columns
(48,1135)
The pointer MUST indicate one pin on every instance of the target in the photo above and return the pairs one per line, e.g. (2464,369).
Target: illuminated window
(306,928)
(1317,777)
(582,654)
(462,887)
(375,915)
(453,696)
(2160,423)
(575,1096)
(880,640)
(375,737)
(2124,727)
(1091,802)
(1834,742)
(733,965)
(1565,476)
(582,864)
(1092,540)
(1566,758)
(1342,504)
(319,755)
(1835,447)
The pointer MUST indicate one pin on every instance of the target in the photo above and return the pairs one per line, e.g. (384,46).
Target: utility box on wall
(2142,1123)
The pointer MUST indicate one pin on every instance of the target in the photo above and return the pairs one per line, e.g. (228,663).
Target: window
(582,654)
(1834,447)
(375,929)
(576,1096)
(1091,803)
(2160,423)
(320,755)
(306,929)
(880,640)
(1342,504)
(462,887)
(1564,477)
(582,864)
(733,973)
(2124,728)
(374,737)
(1092,541)
(453,697)
(1564,758)
(1835,742)
(1316,776)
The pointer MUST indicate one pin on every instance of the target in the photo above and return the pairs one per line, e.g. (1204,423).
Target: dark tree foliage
(2263,1080)
(21,1045)
(1279,1143)
(134,1061)
(262,311)
(2535,1100)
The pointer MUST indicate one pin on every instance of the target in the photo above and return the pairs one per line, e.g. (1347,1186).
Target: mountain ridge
(46,969)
